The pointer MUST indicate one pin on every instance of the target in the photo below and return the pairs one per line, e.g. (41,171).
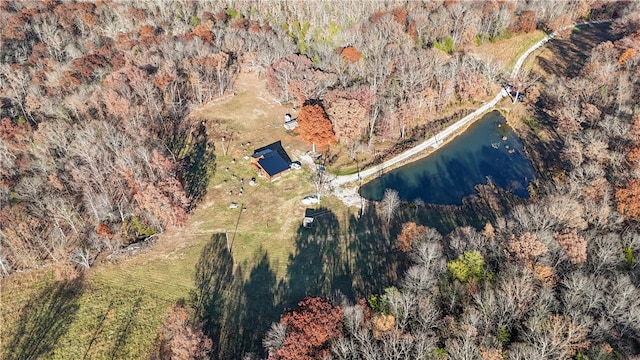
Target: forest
(99,150)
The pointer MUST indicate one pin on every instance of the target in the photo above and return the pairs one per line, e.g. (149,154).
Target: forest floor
(116,308)
(565,56)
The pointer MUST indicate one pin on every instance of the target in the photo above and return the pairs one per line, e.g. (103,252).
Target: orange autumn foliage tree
(574,245)
(203,33)
(527,21)
(315,128)
(626,55)
(309,330)
(147,34)
(628,199)
(526,247)
(410,231)
(351,54)
(545,274)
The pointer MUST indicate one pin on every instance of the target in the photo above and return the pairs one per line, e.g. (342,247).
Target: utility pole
(236,229)
(225,149)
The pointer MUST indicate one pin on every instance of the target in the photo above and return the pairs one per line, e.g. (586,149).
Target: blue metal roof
(272,163)
(257,154)
(272,158)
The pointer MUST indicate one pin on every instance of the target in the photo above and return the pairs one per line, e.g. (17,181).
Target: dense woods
(98,150)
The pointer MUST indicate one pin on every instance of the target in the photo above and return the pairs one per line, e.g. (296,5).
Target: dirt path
(345,187)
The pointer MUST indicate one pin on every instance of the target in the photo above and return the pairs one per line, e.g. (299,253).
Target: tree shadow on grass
(250,310)
(97,332)
(372,258)
(124,330)
(355,261)
(317,261)
(228,344)
(235,313)
(44,320)
(213,280)
(260,309)
(199,165)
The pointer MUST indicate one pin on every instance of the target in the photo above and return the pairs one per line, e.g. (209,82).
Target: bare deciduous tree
(274,338)
(389,204)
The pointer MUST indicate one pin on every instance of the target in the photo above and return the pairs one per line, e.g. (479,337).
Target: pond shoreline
(489,151)
(343,186)
(349,193)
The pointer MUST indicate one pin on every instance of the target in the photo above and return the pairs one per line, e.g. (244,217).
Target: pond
(488,149)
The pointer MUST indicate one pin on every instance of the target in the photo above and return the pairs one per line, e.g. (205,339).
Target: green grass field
(113,312)
(507,51)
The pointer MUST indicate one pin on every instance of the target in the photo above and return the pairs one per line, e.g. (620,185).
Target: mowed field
(507,51)
(113,311)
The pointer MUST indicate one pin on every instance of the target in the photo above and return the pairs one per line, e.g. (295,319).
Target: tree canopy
(315,128)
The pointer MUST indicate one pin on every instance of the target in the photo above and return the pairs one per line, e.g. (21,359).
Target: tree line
(395,70)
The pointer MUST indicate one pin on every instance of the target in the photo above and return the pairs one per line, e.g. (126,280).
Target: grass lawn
(507,51)
(113,312)
(79,320)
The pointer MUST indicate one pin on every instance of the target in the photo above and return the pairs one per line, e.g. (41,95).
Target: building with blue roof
(271,161)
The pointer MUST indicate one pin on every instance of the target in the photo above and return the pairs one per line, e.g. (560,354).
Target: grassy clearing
(507,51)
(265,222)
(113,312)
(80,320)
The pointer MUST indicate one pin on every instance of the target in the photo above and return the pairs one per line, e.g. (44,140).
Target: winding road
(349,195)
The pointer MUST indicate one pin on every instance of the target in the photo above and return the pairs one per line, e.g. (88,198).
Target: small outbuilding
(289,123)
(310,200)
(296,165)
(307,222)
(271,161)
(313,216)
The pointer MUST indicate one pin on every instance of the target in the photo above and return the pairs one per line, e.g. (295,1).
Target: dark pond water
(452,172)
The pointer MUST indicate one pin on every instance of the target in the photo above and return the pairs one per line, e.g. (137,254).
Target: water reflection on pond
(487,150)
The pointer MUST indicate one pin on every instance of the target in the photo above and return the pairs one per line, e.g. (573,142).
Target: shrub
(445,45)
(469,265)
